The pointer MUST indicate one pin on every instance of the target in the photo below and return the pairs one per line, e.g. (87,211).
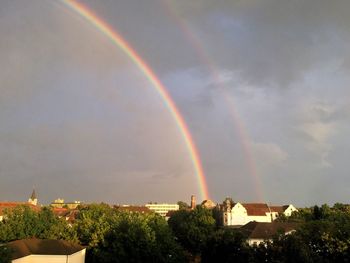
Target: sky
(262,85)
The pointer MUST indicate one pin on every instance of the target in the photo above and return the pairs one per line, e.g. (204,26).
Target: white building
(46,250)
(162,209)
(238,214)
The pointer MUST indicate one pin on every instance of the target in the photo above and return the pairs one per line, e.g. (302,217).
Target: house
(69,214)
(258,232)
(46,250)
(286,210)
(238,214)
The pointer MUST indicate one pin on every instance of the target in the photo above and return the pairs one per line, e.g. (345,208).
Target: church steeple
(33,198)
(33,195)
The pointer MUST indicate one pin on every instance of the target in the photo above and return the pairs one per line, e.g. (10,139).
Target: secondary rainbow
(241,130)
(119,41)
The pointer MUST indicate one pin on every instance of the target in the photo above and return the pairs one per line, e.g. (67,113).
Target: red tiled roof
(256,209)
(11,205)
(69,214)
(60,211)
(277,209)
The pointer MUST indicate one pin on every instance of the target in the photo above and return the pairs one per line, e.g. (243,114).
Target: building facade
(162,209)
(238,214)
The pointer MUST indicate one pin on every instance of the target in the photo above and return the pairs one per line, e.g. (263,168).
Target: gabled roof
(70,214)
(259,230)
(256,209)
(279,209)
(25,247)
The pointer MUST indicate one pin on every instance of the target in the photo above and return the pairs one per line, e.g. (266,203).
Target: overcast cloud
(79,121)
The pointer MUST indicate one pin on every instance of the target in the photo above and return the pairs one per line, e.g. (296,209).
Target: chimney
(193,202)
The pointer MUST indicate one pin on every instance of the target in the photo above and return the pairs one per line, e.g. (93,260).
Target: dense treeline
(190,235)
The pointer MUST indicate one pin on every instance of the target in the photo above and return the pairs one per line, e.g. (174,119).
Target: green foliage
(22,222)
(283,249)
(134,237)
(192,228)
(183,205)
(93,223)
(5,254)
(115,236)
(226,245)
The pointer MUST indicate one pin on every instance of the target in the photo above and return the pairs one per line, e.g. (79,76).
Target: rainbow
(121,43)
(241,130)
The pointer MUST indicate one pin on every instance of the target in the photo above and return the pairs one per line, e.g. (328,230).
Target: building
(133,209)
(46,250)
(70,215)
(238,214)
(33,198)
(209,204)
(193,202)
(59,203)
(162,209)
(258,232)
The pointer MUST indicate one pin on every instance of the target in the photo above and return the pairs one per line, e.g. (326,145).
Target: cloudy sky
(262,85)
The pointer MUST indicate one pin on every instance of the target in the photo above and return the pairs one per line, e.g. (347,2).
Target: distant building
(236,214)
(59,203)
(46,250)
(208,204)
(69,215)
(258,232)
(162,209)
(33,198)
(193,202)
(133,209)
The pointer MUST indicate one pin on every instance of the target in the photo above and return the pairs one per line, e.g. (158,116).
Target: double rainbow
(121,43)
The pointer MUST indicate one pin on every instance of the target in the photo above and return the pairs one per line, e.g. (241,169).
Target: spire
(33,199)
(33,196)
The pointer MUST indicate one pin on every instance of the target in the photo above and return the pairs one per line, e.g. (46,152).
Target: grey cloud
(271,42)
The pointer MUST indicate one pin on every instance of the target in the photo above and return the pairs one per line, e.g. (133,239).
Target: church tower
(193,202)
(33,199)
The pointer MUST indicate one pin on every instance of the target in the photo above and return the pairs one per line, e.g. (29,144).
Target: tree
(136,237)
(226,245)
(192,228)
(23,222)
(5,254)
(183,205)
(92,223)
